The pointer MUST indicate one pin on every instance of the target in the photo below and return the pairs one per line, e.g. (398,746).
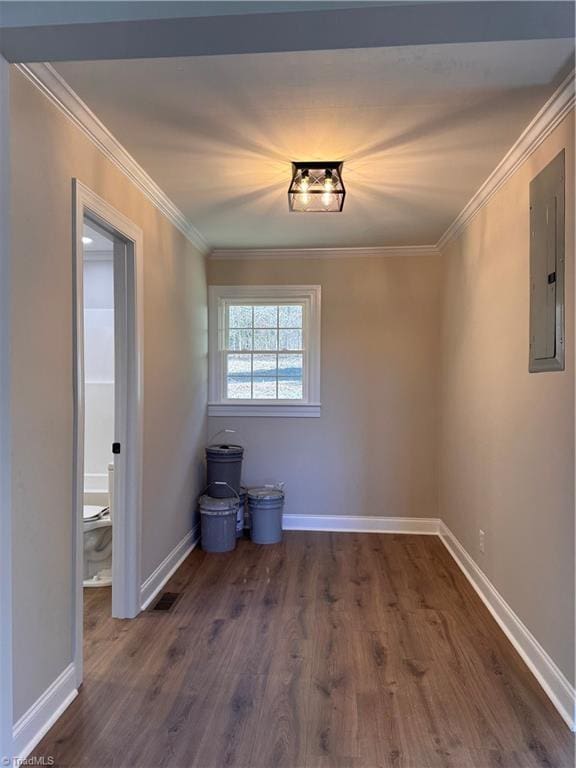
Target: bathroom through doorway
(108,407)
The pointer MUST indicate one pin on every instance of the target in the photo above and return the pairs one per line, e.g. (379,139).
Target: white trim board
(305,411)
(158,578)
(351,524)
(221,254)
(57,90)
(6,638)
(556,686)
(42,715)
(539,128)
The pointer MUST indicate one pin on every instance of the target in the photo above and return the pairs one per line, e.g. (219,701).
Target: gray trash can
(218,523)
(224,465)
(266,506)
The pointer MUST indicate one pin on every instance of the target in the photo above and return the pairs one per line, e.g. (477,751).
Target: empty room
(287,393)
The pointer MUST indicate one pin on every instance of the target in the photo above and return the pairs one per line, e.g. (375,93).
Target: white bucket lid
(213,506)
(265,494)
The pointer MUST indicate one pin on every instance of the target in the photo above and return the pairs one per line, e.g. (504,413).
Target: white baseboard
(167,567)
(42,715)
(559,690)
(351,524)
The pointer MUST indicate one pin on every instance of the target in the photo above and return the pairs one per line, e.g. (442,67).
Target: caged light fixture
(316,187)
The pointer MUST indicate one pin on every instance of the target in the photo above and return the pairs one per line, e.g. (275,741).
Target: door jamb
(6,639)
(127,531)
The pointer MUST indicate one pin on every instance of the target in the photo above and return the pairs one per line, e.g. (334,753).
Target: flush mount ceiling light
(316,188)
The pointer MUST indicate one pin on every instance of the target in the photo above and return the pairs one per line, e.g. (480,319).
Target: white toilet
(98,540)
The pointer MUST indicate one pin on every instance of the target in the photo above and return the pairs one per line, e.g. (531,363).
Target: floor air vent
(166,601)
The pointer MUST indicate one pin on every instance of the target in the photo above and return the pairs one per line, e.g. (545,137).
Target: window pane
(265,317)
(265,365)
(290,316)
(240,339)
(239,377)
(290,339)
(290,377)
(266,340)
(239,316)
(264,388)
(264,382)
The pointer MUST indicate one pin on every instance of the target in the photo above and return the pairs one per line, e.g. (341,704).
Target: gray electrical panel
(547,268)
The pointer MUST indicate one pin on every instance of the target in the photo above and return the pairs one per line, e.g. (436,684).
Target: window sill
(283,410)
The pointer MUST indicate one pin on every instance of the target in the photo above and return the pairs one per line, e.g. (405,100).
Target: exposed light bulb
(328,189)
(304,181)
(87,240)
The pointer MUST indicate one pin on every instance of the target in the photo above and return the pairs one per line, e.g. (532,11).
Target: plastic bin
(266,506)
(224,465)
(218,523)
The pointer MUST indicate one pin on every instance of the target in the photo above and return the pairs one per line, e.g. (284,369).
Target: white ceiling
(419,128)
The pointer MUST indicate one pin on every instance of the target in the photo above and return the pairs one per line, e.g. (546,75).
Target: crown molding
(542,125)
(52,85)
(220,254)
(57,90)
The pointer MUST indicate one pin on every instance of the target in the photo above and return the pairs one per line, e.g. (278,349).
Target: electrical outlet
(481,540)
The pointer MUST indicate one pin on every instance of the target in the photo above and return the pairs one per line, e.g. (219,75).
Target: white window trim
(311,296)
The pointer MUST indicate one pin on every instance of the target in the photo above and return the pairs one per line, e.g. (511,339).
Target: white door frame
(6,707)
(126,536)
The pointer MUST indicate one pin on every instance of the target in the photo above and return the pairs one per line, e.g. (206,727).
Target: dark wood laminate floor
(348,650)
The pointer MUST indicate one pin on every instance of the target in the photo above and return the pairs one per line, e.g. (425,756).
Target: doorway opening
(108,402)
(99,433)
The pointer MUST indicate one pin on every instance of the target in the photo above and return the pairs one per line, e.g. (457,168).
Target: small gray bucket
(266,506)
(218,523)
(224,465)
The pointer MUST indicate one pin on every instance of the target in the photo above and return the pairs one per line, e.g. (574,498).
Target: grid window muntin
(253,330)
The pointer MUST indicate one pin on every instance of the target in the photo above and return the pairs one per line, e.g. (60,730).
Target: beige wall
(47,152)
(507,436)
(372,452)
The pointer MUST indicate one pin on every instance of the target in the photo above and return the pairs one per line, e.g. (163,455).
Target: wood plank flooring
(327,651)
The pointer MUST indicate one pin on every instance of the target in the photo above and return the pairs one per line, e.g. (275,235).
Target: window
(265,350)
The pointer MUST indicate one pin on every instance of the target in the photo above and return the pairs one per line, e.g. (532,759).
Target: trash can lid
(265,494)
(218,506)
(225,449)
